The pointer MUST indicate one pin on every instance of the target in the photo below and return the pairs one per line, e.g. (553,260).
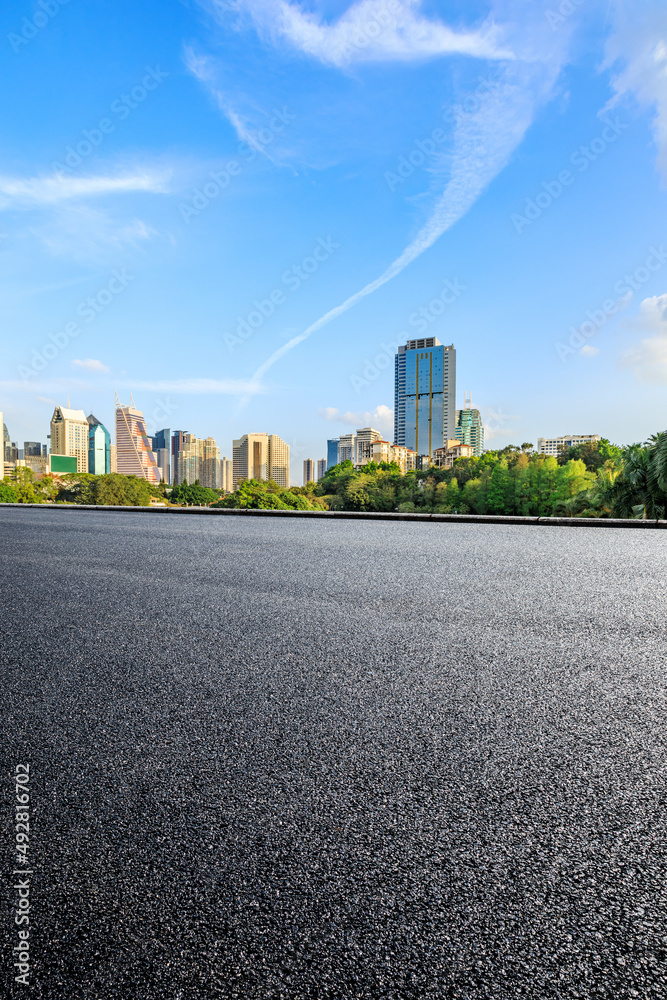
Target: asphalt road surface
(304,759)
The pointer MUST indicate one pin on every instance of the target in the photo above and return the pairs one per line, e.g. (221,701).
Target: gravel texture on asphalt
(331,759)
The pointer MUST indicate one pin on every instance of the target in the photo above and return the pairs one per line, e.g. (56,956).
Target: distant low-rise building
(552,446)
(444,458)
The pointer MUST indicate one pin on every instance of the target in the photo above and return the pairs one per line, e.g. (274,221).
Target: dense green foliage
(589,481)
(268,495)
(193,495)
(113,489)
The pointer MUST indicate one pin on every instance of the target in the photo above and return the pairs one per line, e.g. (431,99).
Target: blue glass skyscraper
(99,447)
(425,395)
(332,452)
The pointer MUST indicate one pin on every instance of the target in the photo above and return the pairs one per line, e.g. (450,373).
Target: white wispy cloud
(16,192)
(368,31)
(203,386)
(81,232)
(648,359)
(589,351)
(381,418)
(639,45)
(90,365)
(483,145)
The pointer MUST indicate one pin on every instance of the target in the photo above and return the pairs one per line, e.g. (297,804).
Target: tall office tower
(161,442)
(308,471)
(210,474)
(250,457)
(32,449)
(332,452)
(11,452)
(365,438)
(227,467)
(99,447)
(187,454)
(347,448)
(134,448)
(424,395)
(469,427)
(45,447)
(279,461)
(321,467)
(69,435)
(177,445)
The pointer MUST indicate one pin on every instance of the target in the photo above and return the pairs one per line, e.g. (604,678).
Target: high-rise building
(99,447)
(332,452)
(261,456)
(469,427)
(308,471)
(161,442)
(2,450)
(69,435)
(227,468)
(134,448)
(424,395)
(211,470)
(364,446)
(321,467)
(347,448)
(32,449)
(279,461)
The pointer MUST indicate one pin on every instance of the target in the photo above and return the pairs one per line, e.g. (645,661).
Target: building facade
(445,457)
(261,456)
(134,448)
(279,461)
(552,446)
(70,435)
(424,395)
(32,449)
(308,471)
(469,427)
(321,467)
(347,448)
(364,445)
(99,447)
(161,443)
(227,468)
(332,452)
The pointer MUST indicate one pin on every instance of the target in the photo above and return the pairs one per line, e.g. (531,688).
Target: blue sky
(234,209)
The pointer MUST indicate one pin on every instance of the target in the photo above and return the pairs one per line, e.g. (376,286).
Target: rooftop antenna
(132,401)
(467,401)
(69,405)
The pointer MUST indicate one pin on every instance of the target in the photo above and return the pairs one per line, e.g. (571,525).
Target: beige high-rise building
(261,456)
(211,472)
(308,471)
(69,435)
(134,448)
(279,461)
(2,446)
(227,469)
(114,463)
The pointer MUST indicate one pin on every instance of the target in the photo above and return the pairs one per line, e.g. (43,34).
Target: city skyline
(188,229)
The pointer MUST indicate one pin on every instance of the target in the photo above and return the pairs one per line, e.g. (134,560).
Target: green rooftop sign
(63,463)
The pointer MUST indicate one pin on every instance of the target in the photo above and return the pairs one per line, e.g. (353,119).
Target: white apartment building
(552,446)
